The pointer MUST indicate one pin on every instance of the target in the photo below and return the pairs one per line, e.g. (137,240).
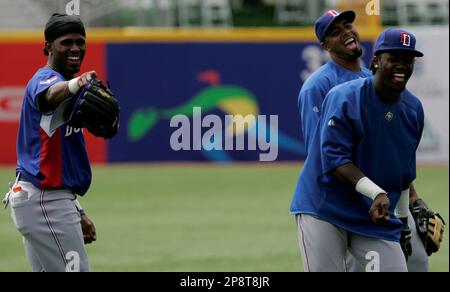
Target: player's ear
(324,45)
(374,64)
(48,49)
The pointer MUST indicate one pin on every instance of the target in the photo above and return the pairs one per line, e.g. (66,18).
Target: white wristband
(402,208)
(73,85)
(368,188)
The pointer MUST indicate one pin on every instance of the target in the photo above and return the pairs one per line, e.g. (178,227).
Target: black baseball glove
(97,110)
(430,226)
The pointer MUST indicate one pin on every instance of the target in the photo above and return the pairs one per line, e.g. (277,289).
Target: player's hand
(88,228)
(86,77)
(379,211)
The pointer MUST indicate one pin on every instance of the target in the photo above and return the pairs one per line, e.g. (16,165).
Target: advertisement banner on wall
(22,60)
(210,101)
(213,101)
(430,83)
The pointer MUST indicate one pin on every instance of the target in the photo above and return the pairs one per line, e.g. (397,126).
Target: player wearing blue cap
(338,37)
(360,165)
(53,166)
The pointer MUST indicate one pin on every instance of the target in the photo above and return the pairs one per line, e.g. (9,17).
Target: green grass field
(199,218)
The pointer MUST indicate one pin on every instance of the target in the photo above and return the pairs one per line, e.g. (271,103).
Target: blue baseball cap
(326,20)
(394,39)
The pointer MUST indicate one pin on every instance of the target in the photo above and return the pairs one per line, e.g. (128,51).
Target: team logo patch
(48,81)
(315,109)
(331,123)
(389,116)
(333,13)
(405,39)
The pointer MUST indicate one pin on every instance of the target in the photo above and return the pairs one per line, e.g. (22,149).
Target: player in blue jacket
(355,183)
(337,35)
(53,166)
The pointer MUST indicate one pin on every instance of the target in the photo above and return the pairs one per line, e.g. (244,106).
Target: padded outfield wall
(157,74)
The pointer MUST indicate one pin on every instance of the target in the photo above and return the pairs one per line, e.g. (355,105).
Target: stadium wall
(430,83)
(159,73)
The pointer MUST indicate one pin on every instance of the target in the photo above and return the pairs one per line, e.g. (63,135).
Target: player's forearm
(57,94)
(62,90)
(413,196)
(355,179)
(348,174)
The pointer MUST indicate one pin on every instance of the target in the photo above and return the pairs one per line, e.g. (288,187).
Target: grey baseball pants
(50,225)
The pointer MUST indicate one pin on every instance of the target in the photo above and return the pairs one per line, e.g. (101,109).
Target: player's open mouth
(350,43)
(399,77)
(73,59)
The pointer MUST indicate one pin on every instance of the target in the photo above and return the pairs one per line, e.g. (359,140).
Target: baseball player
(53,166)
(353,192)
(338,36)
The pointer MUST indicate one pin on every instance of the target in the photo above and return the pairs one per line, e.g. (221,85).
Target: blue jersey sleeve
(309,104)
(43,80)
(337,130)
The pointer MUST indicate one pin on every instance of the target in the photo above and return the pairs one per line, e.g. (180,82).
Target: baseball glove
(97,110)
(430,226)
